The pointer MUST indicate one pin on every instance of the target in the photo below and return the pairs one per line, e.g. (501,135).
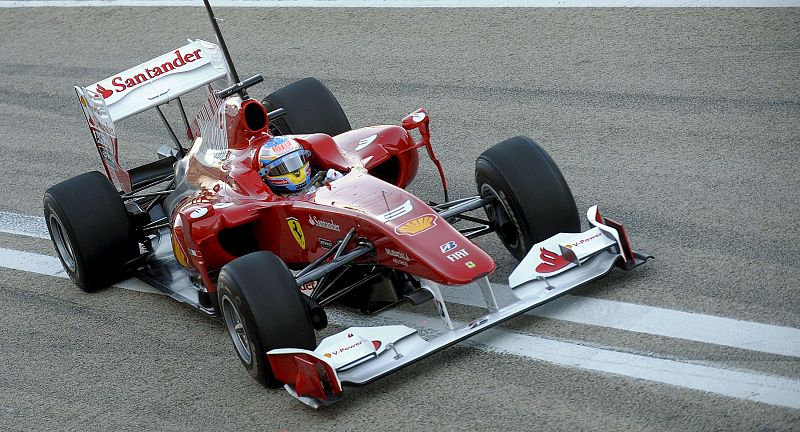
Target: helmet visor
(287,163)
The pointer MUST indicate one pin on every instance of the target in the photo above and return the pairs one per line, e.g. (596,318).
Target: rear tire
(261,305)
(310,108)
(533,201)
(89,226)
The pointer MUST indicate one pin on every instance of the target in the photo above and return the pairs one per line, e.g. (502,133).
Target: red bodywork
(233,212)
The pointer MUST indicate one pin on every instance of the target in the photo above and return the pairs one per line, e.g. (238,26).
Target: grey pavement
(682,123)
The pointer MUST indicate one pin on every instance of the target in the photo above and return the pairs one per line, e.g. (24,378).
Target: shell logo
(550,262)
(180,255)
(417,225)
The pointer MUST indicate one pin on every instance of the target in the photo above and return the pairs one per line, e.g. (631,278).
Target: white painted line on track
(739,384)
(404,3)
(51,266)
(690,326)
(32,262)
(30,226)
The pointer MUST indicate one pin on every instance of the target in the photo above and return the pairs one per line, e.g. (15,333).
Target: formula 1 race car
(222,240)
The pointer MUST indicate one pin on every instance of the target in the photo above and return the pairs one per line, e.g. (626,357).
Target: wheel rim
(508,232)
(61,240)
(236,329)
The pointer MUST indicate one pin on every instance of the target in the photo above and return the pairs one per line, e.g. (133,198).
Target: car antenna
(238,86)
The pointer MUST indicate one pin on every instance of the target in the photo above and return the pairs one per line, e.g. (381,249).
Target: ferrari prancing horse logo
(297,231)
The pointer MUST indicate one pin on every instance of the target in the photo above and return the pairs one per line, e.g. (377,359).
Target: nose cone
(408,234)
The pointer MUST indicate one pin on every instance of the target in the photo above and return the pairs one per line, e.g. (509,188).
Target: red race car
(278,209)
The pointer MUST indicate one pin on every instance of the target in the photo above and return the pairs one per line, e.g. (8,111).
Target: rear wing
(150,84)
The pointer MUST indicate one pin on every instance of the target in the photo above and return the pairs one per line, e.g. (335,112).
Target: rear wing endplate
(150,84)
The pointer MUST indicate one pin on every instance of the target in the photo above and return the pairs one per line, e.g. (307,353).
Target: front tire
(533,201)
(310,108)
(90,228)
(261,305)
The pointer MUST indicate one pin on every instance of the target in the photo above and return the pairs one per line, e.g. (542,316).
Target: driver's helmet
(284,164)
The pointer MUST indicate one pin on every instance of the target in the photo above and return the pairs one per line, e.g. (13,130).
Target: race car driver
(285,167)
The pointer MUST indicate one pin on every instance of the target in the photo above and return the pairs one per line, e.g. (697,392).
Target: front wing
(360,355)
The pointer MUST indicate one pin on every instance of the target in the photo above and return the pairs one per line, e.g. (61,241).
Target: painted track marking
(676,324)
(738,384)
(745,385)
(29,226)
(690,326)
(404,3)
(51,266)
(740,334)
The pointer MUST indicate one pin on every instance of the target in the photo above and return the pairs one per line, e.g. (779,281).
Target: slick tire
(533,201)
(310,108)
(261,305)
(90,229)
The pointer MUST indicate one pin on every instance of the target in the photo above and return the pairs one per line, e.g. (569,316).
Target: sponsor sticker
(277,146)
(470,265)
(308,288)
(366,141)
(178,250)
(580,242)
(375,345)
(325,243)
(401,210)
(297,231)
(343,349)
(418,225)
(396,254)
(319,223)
(198,213)
(457,255)
(231,108)
(183,59)
(551,261)
(447,247)
(279,181)
(478,322)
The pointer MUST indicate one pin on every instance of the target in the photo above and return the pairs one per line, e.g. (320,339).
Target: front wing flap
(360,355)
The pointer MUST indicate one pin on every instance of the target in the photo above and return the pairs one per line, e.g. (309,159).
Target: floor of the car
(162,271)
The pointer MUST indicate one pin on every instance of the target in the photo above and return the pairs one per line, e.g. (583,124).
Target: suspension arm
(326,268)
(464,206)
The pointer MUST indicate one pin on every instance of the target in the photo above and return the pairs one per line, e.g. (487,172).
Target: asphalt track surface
(682,123)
